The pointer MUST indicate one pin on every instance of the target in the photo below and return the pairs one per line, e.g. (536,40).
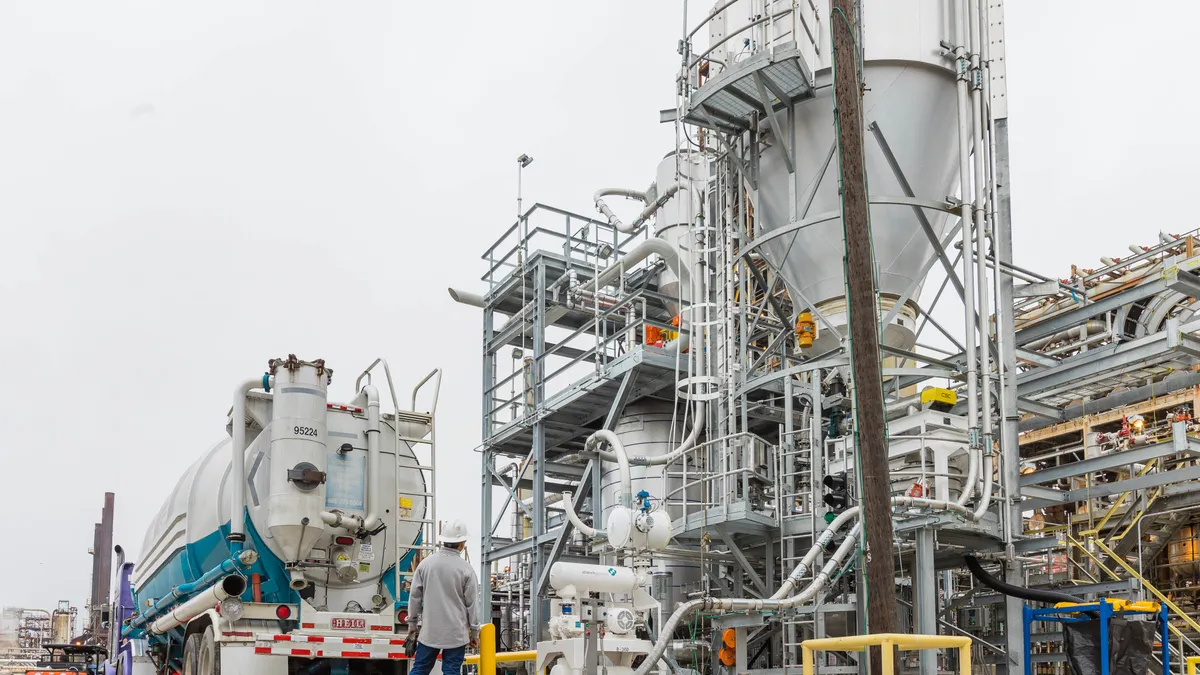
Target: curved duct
(612,217)
(662,460)
(1034,594)
(619,457)
(650,209)
(569,508)
(636,255)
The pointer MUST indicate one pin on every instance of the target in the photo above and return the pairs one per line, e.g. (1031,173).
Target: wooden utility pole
(867,376)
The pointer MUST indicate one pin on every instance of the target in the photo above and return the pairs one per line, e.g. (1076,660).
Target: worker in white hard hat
(441,605)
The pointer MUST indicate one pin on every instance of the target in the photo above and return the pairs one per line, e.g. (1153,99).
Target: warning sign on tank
(345,481)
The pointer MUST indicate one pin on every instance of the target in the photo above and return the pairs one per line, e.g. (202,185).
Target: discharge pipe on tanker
(231,586)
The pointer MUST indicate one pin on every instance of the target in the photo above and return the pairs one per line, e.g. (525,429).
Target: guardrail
(890,642)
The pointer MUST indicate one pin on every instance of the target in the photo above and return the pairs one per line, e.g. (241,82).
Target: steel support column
(538,606)
(488,464)
(1010,449)
(925,597)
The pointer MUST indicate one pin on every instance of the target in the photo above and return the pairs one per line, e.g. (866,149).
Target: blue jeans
(452,659)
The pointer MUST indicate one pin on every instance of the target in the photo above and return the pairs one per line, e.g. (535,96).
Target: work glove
(410,643)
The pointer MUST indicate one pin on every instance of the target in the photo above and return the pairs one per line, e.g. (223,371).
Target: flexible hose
(749,604)
(1034,594)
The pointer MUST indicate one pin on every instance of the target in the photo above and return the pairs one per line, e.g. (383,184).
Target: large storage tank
(911,97)
(289,432)
(645,429)
(690,171)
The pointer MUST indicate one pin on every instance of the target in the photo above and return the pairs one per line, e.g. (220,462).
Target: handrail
(437,388)
(387,372)
(712,15)
(733,33)
(889,642)
(1118,502)
(1150,587)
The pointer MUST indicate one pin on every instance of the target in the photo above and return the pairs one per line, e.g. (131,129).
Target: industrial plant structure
(687,361)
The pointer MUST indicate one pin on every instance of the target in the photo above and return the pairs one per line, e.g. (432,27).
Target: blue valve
(644,499)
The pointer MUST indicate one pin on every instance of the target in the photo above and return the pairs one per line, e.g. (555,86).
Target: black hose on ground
(1034,594)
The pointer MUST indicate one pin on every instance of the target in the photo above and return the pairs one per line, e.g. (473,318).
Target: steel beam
(1038,359)
(1047,497)
(741,558)
(1102,463)
(938,249)
(1040,409)
(1114,359)
(772,118)
(1075,317)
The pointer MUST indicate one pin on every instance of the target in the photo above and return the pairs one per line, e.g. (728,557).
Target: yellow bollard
(487,649)
(488,657)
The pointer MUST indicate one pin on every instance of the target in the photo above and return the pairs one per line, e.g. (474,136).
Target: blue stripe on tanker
(194,559)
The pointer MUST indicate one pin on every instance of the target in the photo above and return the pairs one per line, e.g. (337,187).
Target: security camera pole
(864,327)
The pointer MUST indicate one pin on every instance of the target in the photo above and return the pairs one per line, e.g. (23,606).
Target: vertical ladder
(797,523)
(405,513)
(427,527)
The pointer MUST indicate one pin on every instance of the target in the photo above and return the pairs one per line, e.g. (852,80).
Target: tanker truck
(288,545)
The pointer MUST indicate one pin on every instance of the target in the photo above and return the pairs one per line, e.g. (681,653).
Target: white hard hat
(455,532)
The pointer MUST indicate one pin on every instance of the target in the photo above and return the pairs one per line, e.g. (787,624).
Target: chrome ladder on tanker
(404,511)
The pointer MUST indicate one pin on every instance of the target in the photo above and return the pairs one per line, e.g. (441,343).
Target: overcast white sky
(189,189)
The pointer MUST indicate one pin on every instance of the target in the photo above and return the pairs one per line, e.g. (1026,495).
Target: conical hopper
(914,105)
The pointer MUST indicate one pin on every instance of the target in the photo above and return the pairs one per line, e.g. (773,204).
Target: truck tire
(191,650)
(208,657)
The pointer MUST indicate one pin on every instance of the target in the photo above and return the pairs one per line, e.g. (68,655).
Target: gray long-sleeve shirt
(442,599)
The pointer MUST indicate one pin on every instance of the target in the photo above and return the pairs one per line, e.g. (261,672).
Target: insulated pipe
(1091,326)
(374,489)
(237,491)
(747,604)
(589,532)
(979,179)
(650,209)
(345,521)
(619,457)
(968,489)
(230,587)
(1034,594)
(985,495)
(968,231)
(467,298)
(636,255)
(661,460)
(616,192)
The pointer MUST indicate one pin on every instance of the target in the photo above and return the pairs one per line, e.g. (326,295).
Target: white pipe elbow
(569,507)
